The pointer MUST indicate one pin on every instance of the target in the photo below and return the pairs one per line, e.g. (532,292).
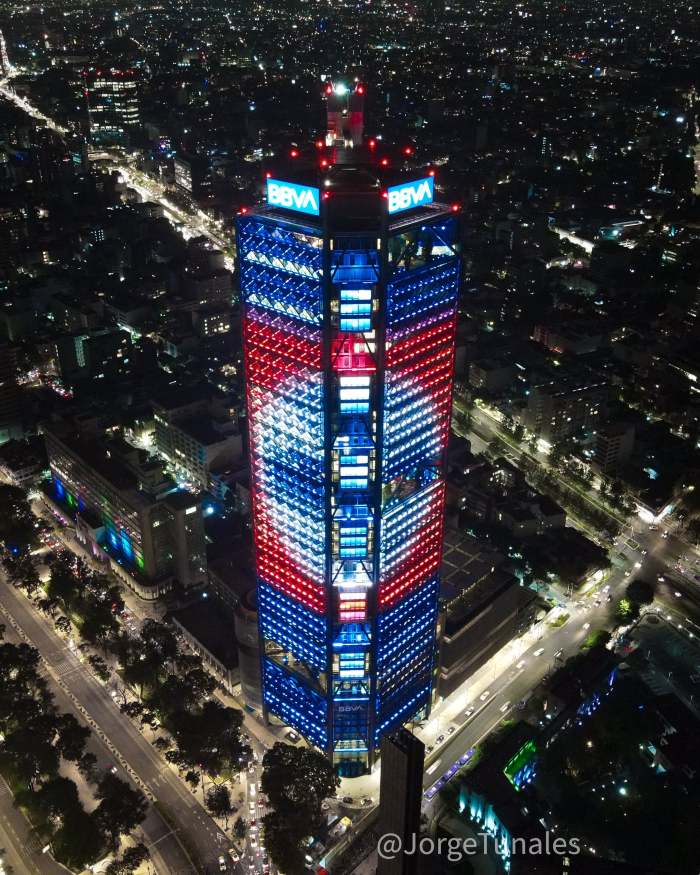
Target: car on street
(451,729)
(520,664)
(484,696)
(504,707)
(440,739)
(539,651)
(222,863)
(469,712)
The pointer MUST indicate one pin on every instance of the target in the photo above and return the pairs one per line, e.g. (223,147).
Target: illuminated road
(188,223)
(23,104)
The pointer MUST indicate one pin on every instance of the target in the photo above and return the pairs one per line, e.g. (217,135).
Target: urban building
(205,624)
(559,408)
(478,620)
(22,462)
(492,375)
(152,533)
(567,338)
(614,443)
(113,104)
(192,174)
(196,445)
(10,394)
(93,355)
(400,794)
(248,640)
(349,282)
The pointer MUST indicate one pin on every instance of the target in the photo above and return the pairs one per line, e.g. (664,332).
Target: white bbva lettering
(409,196)
(286,196)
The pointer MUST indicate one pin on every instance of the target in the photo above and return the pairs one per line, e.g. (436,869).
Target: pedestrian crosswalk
(62,662)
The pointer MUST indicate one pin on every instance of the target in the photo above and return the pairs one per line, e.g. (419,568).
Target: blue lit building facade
(349,289)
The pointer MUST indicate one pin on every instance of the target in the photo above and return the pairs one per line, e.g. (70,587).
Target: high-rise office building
(349,281)
(113,104)
(400,794)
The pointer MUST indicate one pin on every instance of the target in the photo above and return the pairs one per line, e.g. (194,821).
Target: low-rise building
(482,608)
(198,445)
(152,533)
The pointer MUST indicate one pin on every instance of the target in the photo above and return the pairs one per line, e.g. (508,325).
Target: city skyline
(349,438)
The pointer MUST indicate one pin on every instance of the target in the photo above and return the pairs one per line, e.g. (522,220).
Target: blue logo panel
(410,194)
(290,196)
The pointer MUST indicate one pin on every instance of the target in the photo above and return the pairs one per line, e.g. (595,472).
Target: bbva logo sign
(410,194)
(302,198)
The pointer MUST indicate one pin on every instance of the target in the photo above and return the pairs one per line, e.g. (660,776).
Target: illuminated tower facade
(113,103)
(349,283)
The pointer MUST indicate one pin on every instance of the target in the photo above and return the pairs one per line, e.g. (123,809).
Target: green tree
(72,737)
(100,667)
(121,808)
(130,860)
(283,842)
(627,611)
(19,528)
(21,572)
(132,709)
(63,625)
(87,764)
(192,778)
(56,797)
(297,780)
(79,841)
(218,802)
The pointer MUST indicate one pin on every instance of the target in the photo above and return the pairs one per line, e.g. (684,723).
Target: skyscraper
(113,104)
(349,283)
(400,795)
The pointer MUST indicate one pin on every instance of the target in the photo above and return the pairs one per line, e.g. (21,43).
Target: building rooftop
(208,621)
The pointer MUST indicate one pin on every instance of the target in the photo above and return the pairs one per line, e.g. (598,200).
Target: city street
(118,742)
